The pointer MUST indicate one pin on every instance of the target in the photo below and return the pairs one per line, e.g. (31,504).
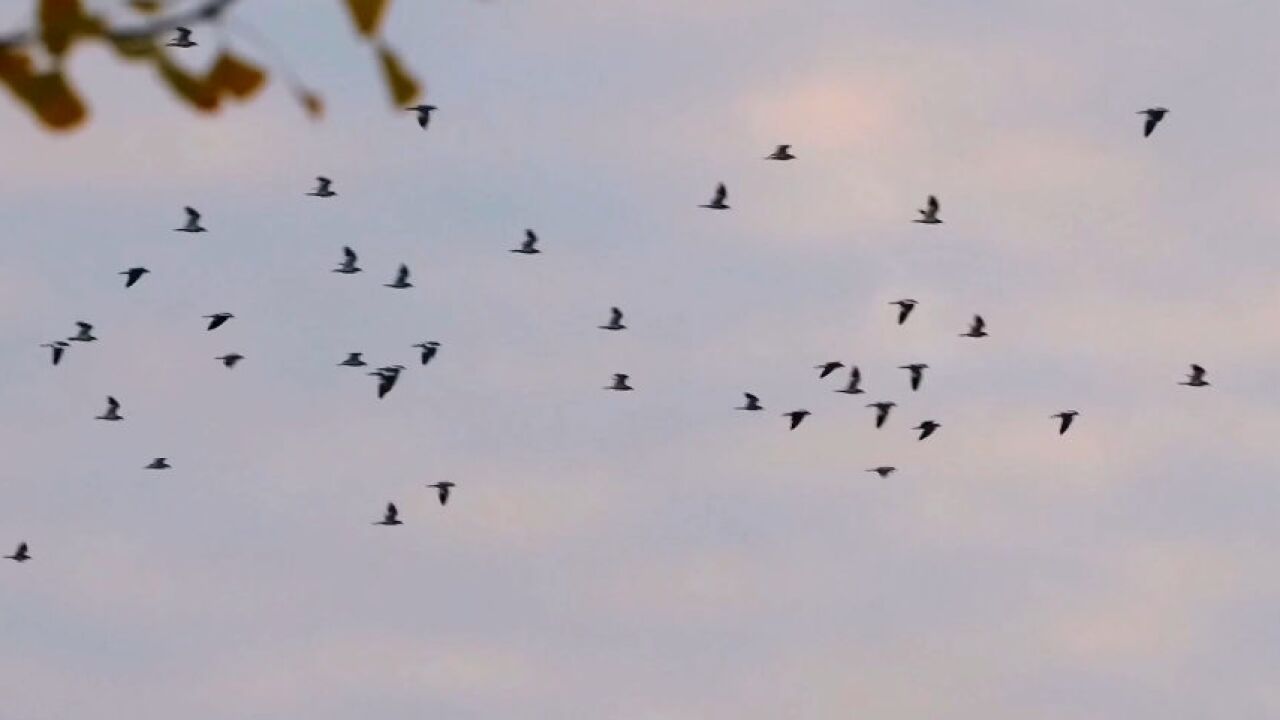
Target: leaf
(403,86)
(312,103)
(134,47)
(147,7)
(367,15)
(63,21)
(235,76)
(199,92)
(48,96)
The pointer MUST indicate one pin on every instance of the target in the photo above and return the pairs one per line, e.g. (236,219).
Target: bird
(230,359)
(183,39)
(1196,377)
(882,411)
(717,202)
(615,320)
(797,417)
(159,464)
(193,221)
(387,377)
(828,367)
(59,349)
(976,328)
(402,279)
(917,373)
(528,247)
(133,275)
(782,153)
(1154,116)
(620,382)
(855,382)
(20,555)
(424,114)
(442,490)
(353,360)
(84,334)
(752,402)
(905,306)
(926,428)
(429,350)
(112,412)
(217,320)
(1066,417)
(348,265)
(929,215)
(883,471)
(323,188)
(391,516)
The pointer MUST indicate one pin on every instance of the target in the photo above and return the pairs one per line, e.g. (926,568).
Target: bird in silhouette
(84,333)
(424,114)
(348,265)
(429,350)
(391,516)
(917,373)
(1065,418)
(752,403)
(230,359)
(929,215)
(324,188)
(133,275)
(615,320)
(402,279)
(1154,116)
(620,382)
(442,491)
(926,428)
(182,39)
(112,412)
(905,306)
(797,417)
(58,348)
(1196,377)
(977,328)
(353,360)
(159,464)
(828,367)
(217,320)
(387,377)
(883,471)
(882,411)
(782,153)
(193,222)
(20,555)
(854,387)
(529,246)
(717,201)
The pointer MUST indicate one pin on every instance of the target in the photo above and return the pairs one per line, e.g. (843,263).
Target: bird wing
(112,404)
(84,326)
(978,323)
(324,183)
(721,193)
(392,512)
(349,255)
(615,316)
(933,205)
(530,239)
(193,215)
(751,399)
(1150,125)
(184,33)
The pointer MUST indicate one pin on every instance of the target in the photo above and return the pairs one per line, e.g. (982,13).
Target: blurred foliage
(32,63)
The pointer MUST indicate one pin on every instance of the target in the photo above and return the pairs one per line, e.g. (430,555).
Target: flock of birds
(387,376)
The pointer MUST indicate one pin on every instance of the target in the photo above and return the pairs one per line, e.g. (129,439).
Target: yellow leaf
(147,7)
(134,47)
(48,96)
(62,21)
(367,15)
(236,77)
(312,103)
(199,92)
(403,86)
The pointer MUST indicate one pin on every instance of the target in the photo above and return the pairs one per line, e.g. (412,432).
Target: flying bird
(854,387)
(620,382)
(348,265)
(353,360)
(193,221)
(929,215)
(112,412)
(230,359)
(529,246)
(429,350)
(159,464)
(59,349)
(84,333)
(402,279)
(183,39)
(323,188)
(217,320)
(424,114)
(917,373)
(387,377)
(133,275)
(797,417)
(828,367)
(782,153)
(752,403)
(442,490)
(883,471)
(1196,377)
(1154,116)
(1065,418)
(20,555)
(717,202)
(391,516)
(882,411)
(977,328)
(926,428)
(615,320)
(905,307)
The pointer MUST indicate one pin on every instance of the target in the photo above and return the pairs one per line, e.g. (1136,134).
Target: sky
(656,555)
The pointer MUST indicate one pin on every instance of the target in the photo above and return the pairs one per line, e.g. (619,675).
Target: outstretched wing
(112,404)
(933,205)
(348,255)
(392,512)
(721,193)
(615,316)
(978,323)
(402,275)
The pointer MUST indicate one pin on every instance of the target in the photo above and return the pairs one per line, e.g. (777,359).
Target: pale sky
(656,555)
